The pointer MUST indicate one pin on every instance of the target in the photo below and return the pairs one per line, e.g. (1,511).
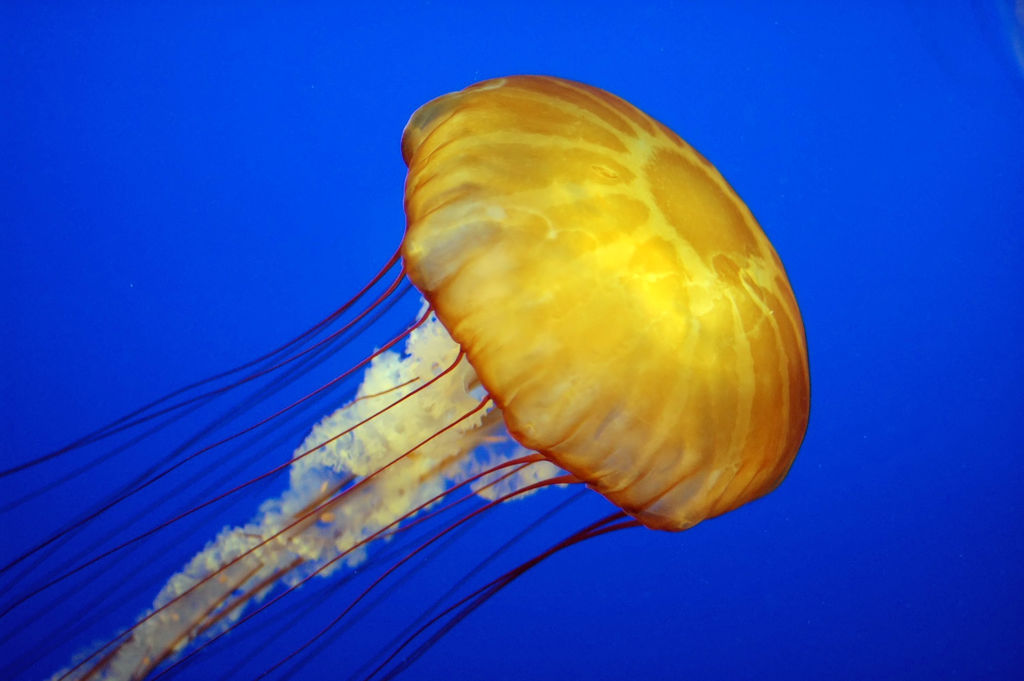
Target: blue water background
(183,189)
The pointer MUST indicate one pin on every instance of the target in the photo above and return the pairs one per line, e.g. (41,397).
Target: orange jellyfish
(601,309)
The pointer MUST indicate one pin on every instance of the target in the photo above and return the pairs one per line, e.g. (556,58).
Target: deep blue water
(183,190)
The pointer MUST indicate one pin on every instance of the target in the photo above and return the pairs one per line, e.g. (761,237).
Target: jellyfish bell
(601,309)
(616,297)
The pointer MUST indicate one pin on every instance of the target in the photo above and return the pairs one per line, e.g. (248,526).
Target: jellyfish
(600,310)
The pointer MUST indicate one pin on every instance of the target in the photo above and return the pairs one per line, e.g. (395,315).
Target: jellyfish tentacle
(207,619)
(388,531)
(561,480)
(140,483)
(294,525)
(481,595)
(311,509)
(135,417)
(442,602)
(387,346)
(331,498)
